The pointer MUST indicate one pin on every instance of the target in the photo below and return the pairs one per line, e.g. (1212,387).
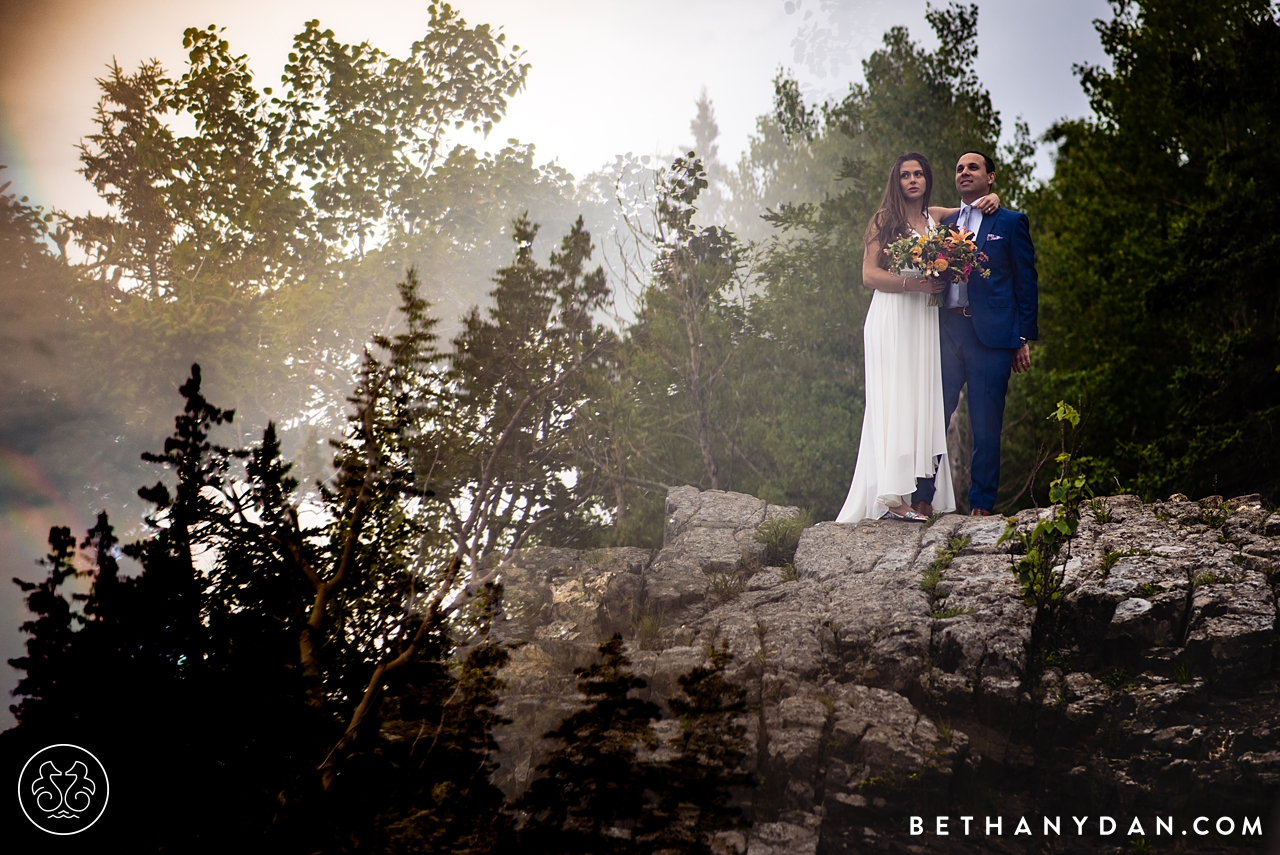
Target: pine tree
(699,782)
(51,633)
(594,792)
(444,800)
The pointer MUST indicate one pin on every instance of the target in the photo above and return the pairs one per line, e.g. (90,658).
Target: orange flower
(940,265)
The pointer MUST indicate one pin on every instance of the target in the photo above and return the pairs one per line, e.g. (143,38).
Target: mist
(598,90)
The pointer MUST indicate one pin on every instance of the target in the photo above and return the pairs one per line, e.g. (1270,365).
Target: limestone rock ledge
(874,698)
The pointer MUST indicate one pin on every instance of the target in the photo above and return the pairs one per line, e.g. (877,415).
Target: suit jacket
(1004,306)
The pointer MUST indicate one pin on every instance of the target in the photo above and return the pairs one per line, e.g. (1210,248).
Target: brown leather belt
(962,311)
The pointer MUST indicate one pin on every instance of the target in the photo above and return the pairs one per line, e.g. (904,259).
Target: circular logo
(63,789)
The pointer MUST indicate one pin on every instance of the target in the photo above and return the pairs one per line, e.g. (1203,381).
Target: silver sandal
(909,516)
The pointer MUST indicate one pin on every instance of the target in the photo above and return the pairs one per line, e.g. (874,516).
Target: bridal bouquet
(945,253)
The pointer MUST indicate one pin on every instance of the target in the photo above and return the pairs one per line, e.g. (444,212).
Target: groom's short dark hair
(986,158)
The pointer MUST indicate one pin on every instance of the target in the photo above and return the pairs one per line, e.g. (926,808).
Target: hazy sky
(608,76)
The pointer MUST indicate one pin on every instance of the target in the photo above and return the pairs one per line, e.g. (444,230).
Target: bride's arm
(876,277)
(987,205)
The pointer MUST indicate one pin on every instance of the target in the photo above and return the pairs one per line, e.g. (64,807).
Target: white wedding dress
(903,429)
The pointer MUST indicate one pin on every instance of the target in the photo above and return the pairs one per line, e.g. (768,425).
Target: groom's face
(972,178)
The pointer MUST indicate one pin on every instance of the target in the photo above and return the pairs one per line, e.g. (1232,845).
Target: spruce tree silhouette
(51,633)
(442,757)
(696,799)
(146,683)
(594,792)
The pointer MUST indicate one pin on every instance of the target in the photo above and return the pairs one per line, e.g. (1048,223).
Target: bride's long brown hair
(893,220)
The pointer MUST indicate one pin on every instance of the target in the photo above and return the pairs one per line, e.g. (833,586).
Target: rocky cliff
(891,676)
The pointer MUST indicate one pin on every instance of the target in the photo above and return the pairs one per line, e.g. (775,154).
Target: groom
(985,325)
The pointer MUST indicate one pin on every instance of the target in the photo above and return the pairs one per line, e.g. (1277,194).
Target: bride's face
(911,180)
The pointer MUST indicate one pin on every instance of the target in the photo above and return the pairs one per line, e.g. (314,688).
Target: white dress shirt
(969,219)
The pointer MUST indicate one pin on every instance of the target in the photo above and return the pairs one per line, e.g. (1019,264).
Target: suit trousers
(986,370)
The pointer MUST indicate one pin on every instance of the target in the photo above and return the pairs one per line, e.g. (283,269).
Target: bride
(904,436)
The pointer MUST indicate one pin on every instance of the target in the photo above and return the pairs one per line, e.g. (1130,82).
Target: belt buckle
(965,311)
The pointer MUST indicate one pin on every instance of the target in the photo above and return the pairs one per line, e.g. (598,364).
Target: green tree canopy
(1159,315)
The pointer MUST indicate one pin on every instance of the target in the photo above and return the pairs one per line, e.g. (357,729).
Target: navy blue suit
(979,350)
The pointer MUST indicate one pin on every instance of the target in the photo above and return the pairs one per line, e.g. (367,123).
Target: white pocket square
(994,237)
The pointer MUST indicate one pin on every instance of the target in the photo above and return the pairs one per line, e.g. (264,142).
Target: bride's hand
(923,284)
(988,204)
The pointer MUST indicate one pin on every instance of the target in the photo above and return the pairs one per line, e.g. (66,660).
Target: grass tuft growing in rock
(1214,517)
(1112,557)
(728,585)
(1117,677)
(1099,510)
(878,783)
(933,573)
(647,626)
(781,536)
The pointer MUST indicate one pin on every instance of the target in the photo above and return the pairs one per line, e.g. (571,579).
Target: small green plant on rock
(1233,541)
(933,573)
(1208,578)
(1182,673)
(1112,557)
(647,627)
(781,536)
(1047,546)
(929,580)
(728,585)
(877,783)
(1214,517)
(789,573)
(1117,677)
(1108,561)
(1099,511)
